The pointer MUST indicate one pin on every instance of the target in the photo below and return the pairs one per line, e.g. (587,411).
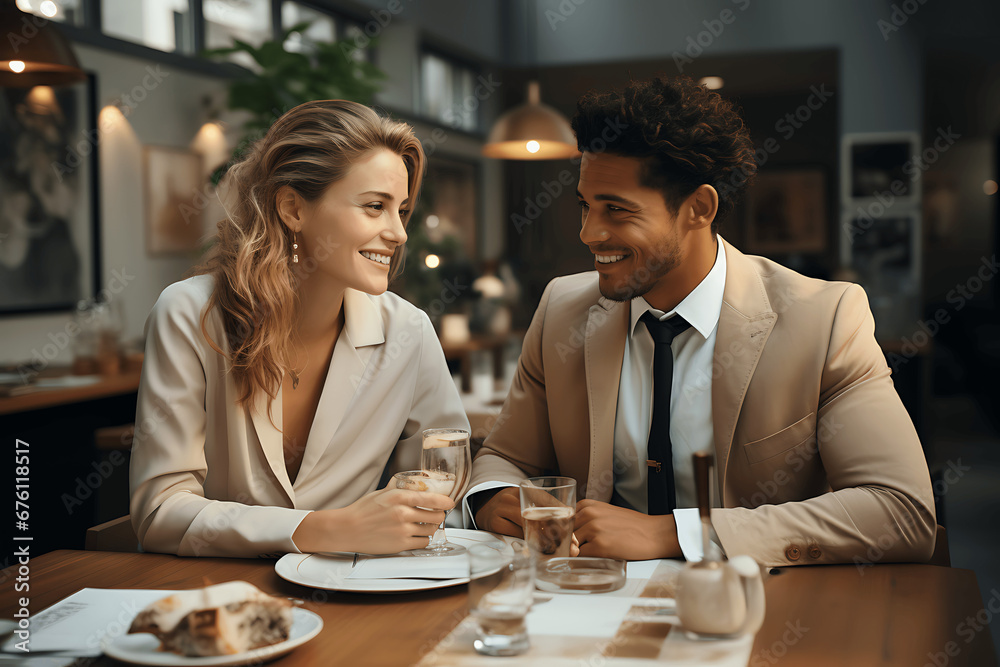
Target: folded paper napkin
(411,567)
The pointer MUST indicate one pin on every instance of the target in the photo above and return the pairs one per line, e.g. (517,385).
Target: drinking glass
(446,458)
(420,480)
(548,508)
(501,586)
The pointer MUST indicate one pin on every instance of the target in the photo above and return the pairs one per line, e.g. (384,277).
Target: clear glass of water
(501,587)
(548,509)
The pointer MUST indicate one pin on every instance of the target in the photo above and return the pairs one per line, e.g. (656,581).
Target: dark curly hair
(688,134)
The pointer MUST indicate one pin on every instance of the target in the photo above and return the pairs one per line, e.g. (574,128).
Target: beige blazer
(208,477)
(802,405)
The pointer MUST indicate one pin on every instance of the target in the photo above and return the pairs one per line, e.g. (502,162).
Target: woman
(278,383)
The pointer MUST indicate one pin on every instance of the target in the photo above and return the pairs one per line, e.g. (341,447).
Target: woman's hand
(382,522)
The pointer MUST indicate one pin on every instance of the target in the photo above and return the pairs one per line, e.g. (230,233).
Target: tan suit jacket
(208,477)
(802,405)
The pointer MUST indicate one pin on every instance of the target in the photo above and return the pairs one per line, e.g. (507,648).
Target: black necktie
(660,492)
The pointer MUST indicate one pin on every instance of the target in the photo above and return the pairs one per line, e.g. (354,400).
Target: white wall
(168,115)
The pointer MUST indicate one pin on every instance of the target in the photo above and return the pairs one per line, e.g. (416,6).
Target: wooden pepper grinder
(703,487)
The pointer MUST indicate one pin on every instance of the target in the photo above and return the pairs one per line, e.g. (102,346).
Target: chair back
(941,555)
(114,535)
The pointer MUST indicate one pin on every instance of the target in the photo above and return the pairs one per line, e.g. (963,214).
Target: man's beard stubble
(642,279)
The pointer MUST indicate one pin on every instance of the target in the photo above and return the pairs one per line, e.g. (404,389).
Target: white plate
(143,648)
(329,571)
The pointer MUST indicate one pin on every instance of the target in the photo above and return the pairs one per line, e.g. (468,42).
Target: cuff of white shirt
(689,534)
(467,519)
(291,541)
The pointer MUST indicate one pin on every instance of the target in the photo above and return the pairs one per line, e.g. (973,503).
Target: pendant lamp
(531,131)
(33,52)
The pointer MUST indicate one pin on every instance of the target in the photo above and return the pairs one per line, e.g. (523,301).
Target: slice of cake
(218,620)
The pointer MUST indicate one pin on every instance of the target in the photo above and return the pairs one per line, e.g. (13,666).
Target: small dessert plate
(144,648)
(580,575)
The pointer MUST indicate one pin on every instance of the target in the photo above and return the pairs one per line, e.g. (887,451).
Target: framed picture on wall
(175,200)
(885,252)
(786,211)
(880,168)
(451,188)
(49,231)
(885,256)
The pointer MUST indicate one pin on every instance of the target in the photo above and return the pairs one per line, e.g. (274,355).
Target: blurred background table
(80,441)
(822,615)
(38,398)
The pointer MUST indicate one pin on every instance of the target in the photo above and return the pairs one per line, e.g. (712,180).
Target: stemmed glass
(446,459)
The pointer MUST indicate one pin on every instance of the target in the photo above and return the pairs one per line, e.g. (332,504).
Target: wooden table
(108,385)
(816,616)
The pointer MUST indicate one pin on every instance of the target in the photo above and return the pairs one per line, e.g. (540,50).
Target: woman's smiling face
(352,231)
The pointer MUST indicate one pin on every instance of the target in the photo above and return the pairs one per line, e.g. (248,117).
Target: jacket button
(815,552)
(793,553)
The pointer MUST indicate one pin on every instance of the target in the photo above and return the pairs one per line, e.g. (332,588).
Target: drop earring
(295,248)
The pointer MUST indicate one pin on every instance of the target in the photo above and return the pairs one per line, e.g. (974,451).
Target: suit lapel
(270,438)
(362,333)
(604,347)
(745,324)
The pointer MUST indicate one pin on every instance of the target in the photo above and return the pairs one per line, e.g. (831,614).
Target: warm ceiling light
(432,261)
(44,59)
(711,82)
(990,187)
(48,9)
(531,131)
(41,100)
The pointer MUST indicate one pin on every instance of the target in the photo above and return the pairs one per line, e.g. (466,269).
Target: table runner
(631,626)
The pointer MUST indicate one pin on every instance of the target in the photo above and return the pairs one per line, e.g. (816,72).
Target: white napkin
(579,615)
(411,567)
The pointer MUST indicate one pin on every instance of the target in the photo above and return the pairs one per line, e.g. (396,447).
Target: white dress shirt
(691,427)
(690,400)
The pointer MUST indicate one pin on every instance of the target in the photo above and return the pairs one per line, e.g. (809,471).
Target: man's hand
(615,532)
(502,513)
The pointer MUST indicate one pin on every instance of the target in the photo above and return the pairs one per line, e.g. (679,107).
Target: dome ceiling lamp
(531,131)
(34,52)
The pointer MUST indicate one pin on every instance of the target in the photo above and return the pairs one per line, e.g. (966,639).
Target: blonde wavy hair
(308,148)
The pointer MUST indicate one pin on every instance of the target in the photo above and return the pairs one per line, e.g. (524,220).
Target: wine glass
(446,458)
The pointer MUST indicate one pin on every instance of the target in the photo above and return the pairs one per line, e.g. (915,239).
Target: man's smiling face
(635,239)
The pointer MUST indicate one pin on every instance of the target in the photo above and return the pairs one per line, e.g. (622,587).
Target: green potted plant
(284,79)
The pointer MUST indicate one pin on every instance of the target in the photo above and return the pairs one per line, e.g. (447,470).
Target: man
(680,343)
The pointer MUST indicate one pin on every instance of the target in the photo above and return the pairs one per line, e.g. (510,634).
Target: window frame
(455,61)
(91,33)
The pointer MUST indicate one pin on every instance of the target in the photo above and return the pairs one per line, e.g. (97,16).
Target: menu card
(75,626)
